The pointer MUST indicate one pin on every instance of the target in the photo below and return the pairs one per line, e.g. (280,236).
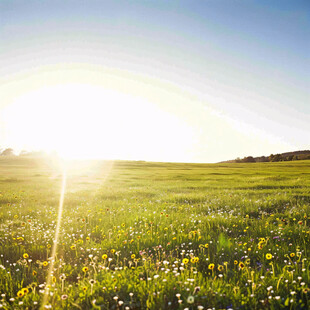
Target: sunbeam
(54,249)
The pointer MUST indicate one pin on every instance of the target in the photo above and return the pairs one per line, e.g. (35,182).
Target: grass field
(138,235)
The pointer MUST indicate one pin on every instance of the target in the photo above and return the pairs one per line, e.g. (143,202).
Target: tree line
(273,158)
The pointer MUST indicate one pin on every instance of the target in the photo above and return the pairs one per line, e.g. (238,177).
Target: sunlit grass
(155,235)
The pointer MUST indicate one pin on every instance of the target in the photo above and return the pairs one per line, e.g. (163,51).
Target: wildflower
(133,256)
(241,265)
(190,299)
(211,266)
(112,251)
(220,268)
(206,245)
(25,290)
(73,247)
(292,254)
(104,256)
(34,273)
(20,294)
(25,255)
(185,261)
(85,269)
(84,288)
(269,256)
(45,263)
(64,297)
(235,262)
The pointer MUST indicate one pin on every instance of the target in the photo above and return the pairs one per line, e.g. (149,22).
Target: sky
(181,81)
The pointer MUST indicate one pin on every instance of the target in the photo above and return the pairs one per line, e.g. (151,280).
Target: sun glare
(85,122)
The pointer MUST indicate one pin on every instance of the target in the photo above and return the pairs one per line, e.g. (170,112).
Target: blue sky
(245,62)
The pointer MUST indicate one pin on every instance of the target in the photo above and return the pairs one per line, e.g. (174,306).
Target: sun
(83,121)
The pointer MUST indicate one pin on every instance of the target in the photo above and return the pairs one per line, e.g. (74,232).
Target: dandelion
(25,291)
(185,261)
(20,294)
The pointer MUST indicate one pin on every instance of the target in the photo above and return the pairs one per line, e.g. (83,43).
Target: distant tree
(8,152)
(238,160)
(249,159)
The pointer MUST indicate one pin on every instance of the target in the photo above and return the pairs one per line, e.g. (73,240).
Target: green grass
(162,226)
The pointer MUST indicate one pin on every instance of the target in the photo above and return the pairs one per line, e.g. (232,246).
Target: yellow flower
(235,262)
(84,288)
(85,269)
(206,245)
(292,254)
(211,266)
(133,256)
(220,268)
(73,247)
(112,251)
(185,261)
(45,264)
(48,246)
(196,259)
(54,279)
(241,265)
(20,294)
(269,256)
(104,256)
(25,290)
(193,260)
(34,273)
(25,255)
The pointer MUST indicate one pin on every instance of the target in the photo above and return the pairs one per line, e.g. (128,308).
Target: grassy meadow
(139,235)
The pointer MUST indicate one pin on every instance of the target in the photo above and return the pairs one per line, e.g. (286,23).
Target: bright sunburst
(84,121)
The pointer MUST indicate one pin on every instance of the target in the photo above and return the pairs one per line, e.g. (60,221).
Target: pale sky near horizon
(191,81)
